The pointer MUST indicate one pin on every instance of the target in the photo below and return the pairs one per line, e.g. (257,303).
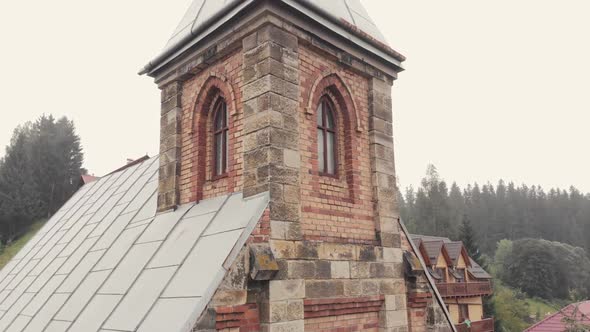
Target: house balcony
(464,289)
(484,325)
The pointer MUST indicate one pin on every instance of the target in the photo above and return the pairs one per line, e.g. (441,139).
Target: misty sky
(492,89)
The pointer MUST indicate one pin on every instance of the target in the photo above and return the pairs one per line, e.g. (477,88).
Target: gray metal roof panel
(96,271)
(57,326)
(130,267)
(141,297)
(48,309)
(81,296)
(19,323)
(172,315)
(204,16)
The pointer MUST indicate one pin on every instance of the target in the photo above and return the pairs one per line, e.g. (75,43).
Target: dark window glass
(443,274)
(461,272)
(463,312)
(220,135)
(327,142)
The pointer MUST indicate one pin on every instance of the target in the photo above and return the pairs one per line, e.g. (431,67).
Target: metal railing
(484,325)
(458,289)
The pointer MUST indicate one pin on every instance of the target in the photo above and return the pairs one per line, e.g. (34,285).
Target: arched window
(220,135)
(327,144)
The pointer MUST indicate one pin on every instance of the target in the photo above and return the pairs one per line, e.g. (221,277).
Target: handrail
(484,325)
(449,289)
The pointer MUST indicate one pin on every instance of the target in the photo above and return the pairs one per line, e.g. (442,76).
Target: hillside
(12,249)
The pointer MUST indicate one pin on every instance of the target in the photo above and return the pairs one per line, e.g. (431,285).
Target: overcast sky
(492,89)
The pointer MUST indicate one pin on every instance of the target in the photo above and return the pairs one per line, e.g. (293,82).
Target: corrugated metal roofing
(106,261)
(580,312)
(348,18)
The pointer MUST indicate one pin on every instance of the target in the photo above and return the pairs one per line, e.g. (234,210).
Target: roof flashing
(204,17)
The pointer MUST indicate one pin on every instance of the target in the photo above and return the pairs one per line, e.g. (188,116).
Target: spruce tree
(468,237)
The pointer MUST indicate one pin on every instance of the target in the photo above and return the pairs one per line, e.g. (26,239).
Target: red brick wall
(261,232)
(335,209)
(198,93)
(244,317)
(345,323)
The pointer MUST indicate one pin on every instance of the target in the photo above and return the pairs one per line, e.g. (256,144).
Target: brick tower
(293,98)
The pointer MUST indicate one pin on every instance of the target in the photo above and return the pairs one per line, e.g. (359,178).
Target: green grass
(12,249)
(543,307)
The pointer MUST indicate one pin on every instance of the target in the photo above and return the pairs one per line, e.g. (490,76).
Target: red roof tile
(554,323)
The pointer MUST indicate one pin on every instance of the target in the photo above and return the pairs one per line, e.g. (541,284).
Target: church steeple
(291,98)
(346,18)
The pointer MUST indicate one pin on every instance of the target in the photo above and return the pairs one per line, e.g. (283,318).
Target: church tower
(290,98)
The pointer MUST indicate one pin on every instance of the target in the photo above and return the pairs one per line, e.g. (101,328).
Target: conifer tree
(468,237)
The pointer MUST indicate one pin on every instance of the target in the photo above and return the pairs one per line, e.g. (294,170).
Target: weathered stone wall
(322,231)
(335,239)
(170,145)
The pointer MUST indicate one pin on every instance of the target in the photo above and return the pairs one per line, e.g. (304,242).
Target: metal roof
(201,12)
(454,250)
(477,271)
(106,261)
(348,18)
(578,312)
(433,249)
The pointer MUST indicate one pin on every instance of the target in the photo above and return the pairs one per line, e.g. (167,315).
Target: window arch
(327,140)
(220,138)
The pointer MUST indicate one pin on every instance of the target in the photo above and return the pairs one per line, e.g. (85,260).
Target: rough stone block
(306,250)
(285,230)
(278,36)
(291,193)
(171,103)
(352,287)
(360,270)
(301,269)
(392,255)
(263,265)
(291,158)
(323,269)
(389,239)
(262,120)
(392,286)
(286,289)
(229,297)
(251,41)
(315,289)
(393,318)
(285,311)
(335,251)
(284,211)
(340,270)
(292,326)
(370,287)
(395,302)
(270,83)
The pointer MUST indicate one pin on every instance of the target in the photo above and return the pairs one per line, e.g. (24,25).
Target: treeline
(40,170)
(545,269)
(496,212)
